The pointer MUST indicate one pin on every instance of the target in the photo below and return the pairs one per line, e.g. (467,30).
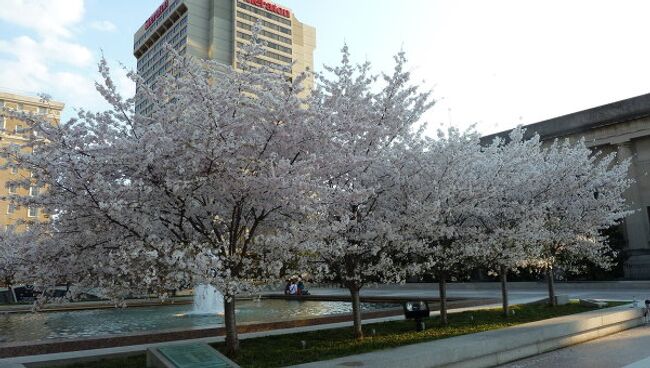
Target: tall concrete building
(216,30)
(12,133)
(622,127)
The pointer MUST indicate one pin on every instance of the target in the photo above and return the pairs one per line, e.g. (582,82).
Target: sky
(489,64)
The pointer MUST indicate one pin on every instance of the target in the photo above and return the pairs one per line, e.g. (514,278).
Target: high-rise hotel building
(215,30)
(13,133)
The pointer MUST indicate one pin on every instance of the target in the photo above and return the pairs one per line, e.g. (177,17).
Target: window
(265,23)
(11,188)
(17,129)
(270,54)
(2,104)
(11,209)
(14,170)
(3,120)
(33,191)
(21,107)
(42,110)
(265,33)
(32,212)
(270,44)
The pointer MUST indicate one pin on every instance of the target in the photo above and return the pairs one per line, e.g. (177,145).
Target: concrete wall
(304,44)
(221,41)
(199,28)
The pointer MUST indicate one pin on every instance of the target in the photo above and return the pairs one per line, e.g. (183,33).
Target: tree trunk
(504,290)
(356,312)
(10,290)
(442,287)
(551,287)
(232,341)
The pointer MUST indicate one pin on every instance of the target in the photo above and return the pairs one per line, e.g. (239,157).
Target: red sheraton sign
(270,7)
(156,14)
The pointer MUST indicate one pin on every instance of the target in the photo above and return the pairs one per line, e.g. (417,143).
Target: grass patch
(284,350)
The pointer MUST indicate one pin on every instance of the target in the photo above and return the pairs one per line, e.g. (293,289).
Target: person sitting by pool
(293,288)
(301,288)
(287,287)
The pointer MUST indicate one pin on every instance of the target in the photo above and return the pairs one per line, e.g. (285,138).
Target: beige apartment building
(216,30)
(12,134)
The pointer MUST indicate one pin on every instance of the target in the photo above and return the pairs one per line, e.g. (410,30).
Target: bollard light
(417,310)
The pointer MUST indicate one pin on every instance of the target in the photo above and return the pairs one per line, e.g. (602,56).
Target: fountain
(207,301)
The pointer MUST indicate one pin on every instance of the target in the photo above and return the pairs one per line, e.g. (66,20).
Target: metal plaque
(195,356)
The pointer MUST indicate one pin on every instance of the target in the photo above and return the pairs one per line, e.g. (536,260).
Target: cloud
(125,86)
(31,74)
(47,17)
(103,26)
(47,50)
(46,55)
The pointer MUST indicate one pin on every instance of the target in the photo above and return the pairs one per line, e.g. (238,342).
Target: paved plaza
(524,292)
(627,349)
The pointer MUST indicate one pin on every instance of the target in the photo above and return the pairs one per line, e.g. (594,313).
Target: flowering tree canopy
(206,189)
(582,197)
(238,174)
(442,186)
(356,237)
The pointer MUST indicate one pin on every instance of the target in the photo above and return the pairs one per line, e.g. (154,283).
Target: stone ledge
(492,348)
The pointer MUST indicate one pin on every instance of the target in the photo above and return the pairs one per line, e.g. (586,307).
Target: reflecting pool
(78,324)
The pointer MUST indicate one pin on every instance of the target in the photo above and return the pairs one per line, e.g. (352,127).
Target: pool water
(78,324)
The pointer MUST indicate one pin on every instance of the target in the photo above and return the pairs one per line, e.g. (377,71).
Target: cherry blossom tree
(206,189)
(356,237)
(11,260)
(440,195)
(549,206)
(509,217)
(23,259)
(582,197)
